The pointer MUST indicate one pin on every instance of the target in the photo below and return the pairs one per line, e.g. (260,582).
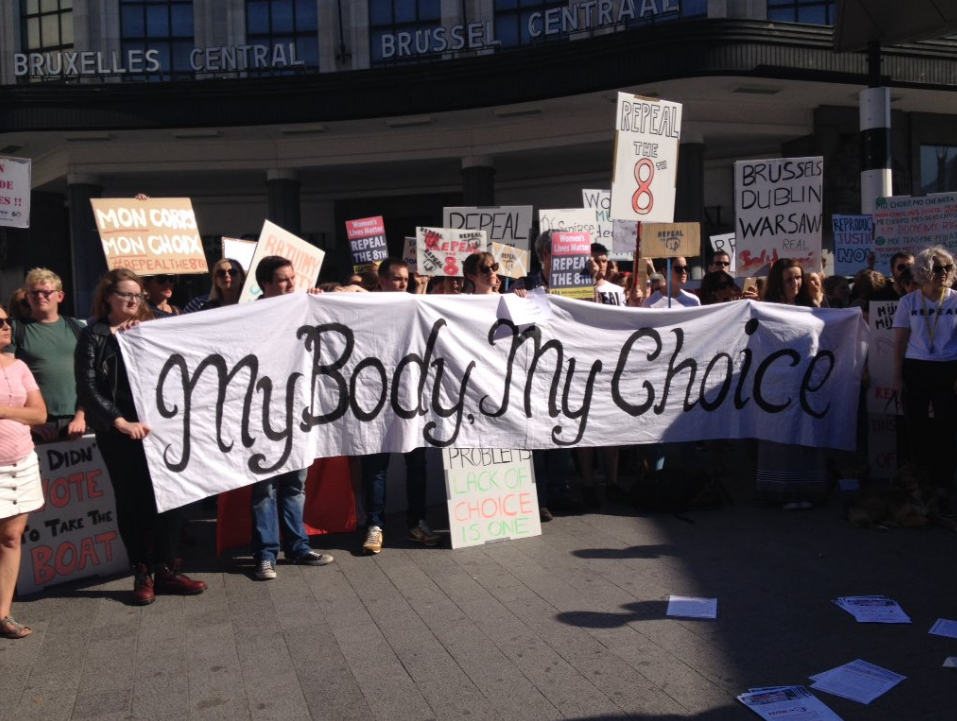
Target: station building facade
(313,112)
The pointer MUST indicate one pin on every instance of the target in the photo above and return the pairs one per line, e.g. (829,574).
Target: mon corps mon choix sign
(150,237)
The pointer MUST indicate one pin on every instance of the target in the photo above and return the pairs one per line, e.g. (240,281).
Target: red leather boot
(143,594)
(168,579)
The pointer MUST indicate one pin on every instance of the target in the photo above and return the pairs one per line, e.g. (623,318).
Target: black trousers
(932,440)
(150,537)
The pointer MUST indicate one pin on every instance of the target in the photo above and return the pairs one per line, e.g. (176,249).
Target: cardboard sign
(306,260)
(15,192)
(647,131)
(242,251)
(442,251)
(568,277)
(903,223)
(512,262)
(853,241)
(367,242)
(75,534)
(882,445)
(150,237)
(409,254)
(778,213)
(880,359)
(491,495)
(670,240)
(506,224)
(724,243)
(569,220)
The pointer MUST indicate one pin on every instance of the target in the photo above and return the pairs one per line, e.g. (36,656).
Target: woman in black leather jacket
(103,390)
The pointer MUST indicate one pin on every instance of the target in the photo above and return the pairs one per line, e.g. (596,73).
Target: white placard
(724,243)
(881,397)
(512,260)
(309,376)
(506,224)
(906,224)
(306,260)
(778,213)
(242,251)
(442,251)
(15,192)
(647,132)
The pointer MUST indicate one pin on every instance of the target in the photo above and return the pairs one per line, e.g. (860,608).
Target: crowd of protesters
(63,377)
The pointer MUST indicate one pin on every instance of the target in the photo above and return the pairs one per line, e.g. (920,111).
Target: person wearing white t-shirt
(925,368)
(679,296)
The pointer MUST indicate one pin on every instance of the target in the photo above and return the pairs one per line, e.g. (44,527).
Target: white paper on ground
(788,703)
(950,662)
(873,609)
(944,627)
(858,680)
(692,607)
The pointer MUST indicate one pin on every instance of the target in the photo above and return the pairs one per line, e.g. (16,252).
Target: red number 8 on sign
(644,187)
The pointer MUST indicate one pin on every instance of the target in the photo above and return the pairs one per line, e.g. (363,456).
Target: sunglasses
(223,272)
(680,268)
(164,279)
(903,266)
(723,263)
(4,322)
(938,269)
(38,293)
(489,269)
(129,297)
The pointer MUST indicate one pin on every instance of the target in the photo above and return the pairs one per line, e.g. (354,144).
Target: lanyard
(931,331)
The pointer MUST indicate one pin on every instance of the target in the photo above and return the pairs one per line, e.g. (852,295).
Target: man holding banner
(276,277)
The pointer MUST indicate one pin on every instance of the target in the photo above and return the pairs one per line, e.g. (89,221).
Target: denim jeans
(551,473)
(375,470)
(267,523)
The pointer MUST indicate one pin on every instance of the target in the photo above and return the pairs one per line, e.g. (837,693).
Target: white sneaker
(266,570)
(373,542)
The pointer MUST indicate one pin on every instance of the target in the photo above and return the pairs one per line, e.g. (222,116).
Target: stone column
(478,180)
(284,204)
(89,263)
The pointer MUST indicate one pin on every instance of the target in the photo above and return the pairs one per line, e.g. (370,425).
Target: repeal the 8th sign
(491,495)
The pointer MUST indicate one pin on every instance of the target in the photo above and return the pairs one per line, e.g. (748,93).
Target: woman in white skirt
(21,406)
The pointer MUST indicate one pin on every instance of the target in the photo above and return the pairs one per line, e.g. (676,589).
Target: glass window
(46,26)
(162,28)
(938,168)
(815,12)
(415,19)
(289,29)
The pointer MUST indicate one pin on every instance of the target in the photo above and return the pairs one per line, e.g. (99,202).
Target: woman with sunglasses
(103,390)
(480,271)
(21,406)
(228,279)
(159,289)
(925,368)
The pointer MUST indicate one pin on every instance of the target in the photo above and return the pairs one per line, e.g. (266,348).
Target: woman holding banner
(21,406)
(925,368)
(790,475)
(103,390)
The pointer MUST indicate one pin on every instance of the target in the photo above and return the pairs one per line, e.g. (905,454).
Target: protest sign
(880,360)
(569,276)
(600,202)
(409,254)
(491,495)
(15,185)
(306,260)
(156,236)
(778,213)
(624,237)
(75,534)
(646,159)
(724,243)
(906,224)
(512,261)
(442,251)
(314,376)
(569,220)
(853,241)
(242,251)
(506,224)
(670,240)
(367,242)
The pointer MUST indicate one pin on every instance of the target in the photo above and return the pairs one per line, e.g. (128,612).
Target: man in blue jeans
(276,277)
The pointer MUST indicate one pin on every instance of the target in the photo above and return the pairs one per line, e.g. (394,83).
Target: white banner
(15,192)
(647,131)
(75,534)
(242,393)
(506,224)
(778,213)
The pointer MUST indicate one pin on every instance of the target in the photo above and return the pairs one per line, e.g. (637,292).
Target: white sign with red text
(442,251)
(15,192)
(306,260)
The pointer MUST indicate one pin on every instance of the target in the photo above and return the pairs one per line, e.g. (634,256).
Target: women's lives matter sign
(647,131)
(491,495)
(367,242)
(150,237)
(778,213)
(568,276)
(74,535)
